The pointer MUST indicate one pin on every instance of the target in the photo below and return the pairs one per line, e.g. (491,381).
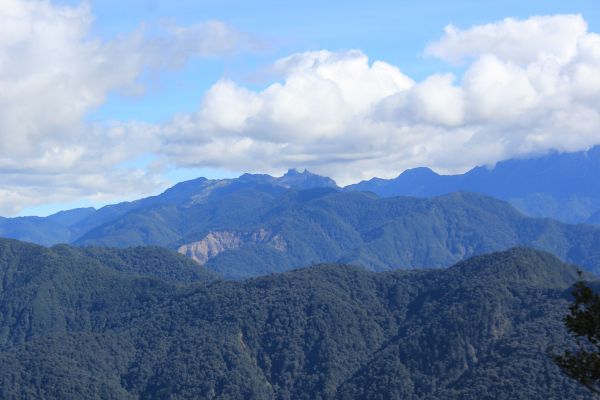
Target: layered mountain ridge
(259,224)
(69,225)
(255,231)
(563,186)
(480,329)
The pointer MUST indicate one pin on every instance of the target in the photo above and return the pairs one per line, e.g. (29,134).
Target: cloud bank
(53,73)
(527,87)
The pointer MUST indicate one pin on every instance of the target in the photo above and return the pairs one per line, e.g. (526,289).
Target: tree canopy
(583,322)
(96,324)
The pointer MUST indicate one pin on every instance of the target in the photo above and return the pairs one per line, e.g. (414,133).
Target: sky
(106,101)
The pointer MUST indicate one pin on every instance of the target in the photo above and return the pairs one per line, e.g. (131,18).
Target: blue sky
(393,31)
(138,126)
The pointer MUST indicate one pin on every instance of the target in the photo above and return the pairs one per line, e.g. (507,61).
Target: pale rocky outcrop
(217,242)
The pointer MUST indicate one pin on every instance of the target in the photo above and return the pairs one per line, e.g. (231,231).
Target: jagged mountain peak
(305,179)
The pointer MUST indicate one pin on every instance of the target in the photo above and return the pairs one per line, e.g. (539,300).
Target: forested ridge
(322,225)
(74,326)
(256,224)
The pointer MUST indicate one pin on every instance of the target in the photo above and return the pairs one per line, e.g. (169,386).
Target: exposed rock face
(217,242)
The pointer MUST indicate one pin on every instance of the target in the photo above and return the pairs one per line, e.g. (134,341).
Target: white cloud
(315,117)
(53,73)
(528,86)
(514,40)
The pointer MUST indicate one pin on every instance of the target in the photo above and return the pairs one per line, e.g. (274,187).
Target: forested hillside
(69,225)
(480,329)
(63,289)
(253,231)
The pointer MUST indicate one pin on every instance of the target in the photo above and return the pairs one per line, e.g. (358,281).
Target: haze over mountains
(107,317)
(258,224)
(411,285)
(73,326)
(562,186)
(67,226)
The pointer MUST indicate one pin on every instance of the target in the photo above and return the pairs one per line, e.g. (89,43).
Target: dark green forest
(97,323)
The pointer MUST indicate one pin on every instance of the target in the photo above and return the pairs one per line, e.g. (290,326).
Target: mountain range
(257,224)
(69,225)
(74,326)
(203,291)
(562,186)
(257,230)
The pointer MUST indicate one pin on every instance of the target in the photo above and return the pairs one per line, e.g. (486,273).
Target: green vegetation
(322,225)
(316,225)
(76,328)
(147,261)
(46,291)
(583,322)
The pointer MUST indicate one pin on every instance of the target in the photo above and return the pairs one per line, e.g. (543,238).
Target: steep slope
(258,224)
(563,186)
(163,225)
(480,329)
(499,314)
(254,232)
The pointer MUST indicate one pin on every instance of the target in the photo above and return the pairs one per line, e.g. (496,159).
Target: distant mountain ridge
(562,186)
(259,224)
(68,226)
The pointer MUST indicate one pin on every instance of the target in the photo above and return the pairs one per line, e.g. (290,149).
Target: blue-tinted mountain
(258,224)
(68,226)
(304,180)
(293,178)
(481,329)
(57,228)
(563,186)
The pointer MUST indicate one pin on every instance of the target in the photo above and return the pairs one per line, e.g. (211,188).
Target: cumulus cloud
(314,117)
(528,86)
(518,41)
(53,73)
